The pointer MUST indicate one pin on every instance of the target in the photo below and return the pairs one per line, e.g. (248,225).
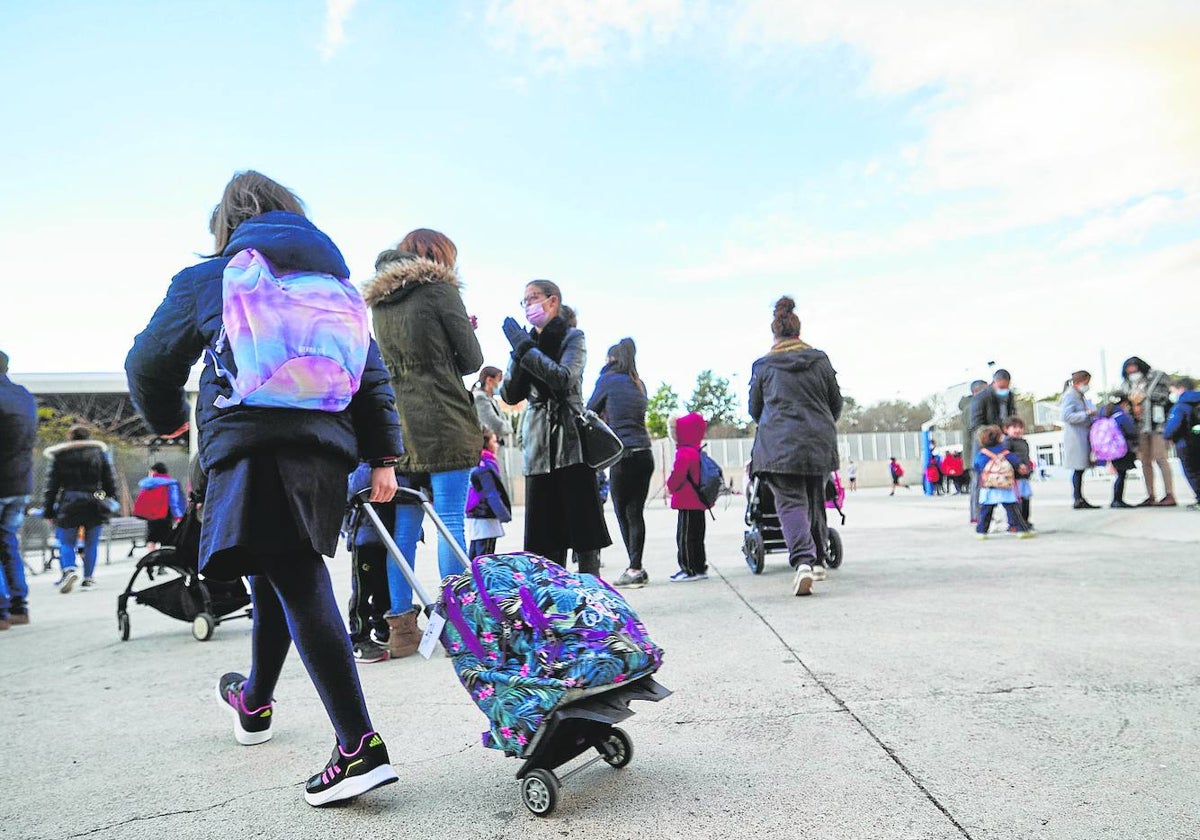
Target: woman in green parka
(428,344)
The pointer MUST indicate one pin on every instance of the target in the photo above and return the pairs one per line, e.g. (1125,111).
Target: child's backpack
(999,473)
(1108,442)
(153,503)
(298,340)
(523,631)
(835,494)
(712,481)
(897,470)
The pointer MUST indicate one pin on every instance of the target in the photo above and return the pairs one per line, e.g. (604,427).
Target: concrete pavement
(935,687)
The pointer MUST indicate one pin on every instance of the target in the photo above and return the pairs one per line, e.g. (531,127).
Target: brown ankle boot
(404,637)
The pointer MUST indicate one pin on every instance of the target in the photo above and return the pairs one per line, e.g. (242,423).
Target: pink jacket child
(685,475)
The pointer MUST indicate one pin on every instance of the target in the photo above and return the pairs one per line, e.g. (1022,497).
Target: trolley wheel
(123,625)
(755,550)
(539,792)
(617,748)
(203,626)
(833,557)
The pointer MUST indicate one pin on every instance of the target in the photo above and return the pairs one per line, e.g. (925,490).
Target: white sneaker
(820,573)
(69,579)
(802,583)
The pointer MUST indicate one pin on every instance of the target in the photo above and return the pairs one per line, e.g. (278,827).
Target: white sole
(68,584)
(354,786)
(246,739)
(802,585)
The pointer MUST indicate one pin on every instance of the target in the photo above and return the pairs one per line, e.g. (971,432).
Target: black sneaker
(88,582)
(367,652)
(348,776)
(249,727)
(67,582)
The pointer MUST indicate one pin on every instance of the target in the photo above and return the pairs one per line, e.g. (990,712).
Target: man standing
(18,435)
(1149,393)
(989,406)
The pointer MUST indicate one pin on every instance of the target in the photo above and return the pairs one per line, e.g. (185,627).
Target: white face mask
(1083,389)
(1136,376)
(1174,397)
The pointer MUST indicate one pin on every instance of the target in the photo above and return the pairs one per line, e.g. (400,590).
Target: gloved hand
(513,332)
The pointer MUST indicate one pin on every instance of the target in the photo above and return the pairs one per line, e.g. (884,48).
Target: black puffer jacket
(795,398)
(78,466)
(18,434)
(550,377)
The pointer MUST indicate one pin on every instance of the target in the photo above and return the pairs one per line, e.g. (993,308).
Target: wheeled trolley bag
(552,658)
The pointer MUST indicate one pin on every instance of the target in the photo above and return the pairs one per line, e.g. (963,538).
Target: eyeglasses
(531,299)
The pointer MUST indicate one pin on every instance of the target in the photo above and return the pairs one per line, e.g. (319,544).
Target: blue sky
(674,166)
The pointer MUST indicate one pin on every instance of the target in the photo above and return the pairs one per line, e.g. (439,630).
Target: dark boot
(589,562)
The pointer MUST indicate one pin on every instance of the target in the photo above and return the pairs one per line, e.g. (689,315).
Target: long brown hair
(248,194)
(431,245)
(624,360)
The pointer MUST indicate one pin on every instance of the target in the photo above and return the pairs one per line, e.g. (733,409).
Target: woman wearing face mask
(1078,413)
(484,393)
(562,505)
(1149,392)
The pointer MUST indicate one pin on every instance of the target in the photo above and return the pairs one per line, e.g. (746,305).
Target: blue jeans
(449,502)
(67,537)
(13,589)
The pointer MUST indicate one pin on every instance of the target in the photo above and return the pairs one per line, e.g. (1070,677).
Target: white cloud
(584,32)
(336,13)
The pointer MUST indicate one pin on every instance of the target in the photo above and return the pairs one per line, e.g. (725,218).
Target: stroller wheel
(755,550)
(123,625)
(539,792)
(833,557)
(202,627)
(617,748)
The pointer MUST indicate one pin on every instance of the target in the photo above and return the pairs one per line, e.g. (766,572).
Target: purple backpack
(298,340)
(1108,442)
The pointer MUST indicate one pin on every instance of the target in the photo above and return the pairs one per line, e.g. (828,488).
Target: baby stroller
(763,534)
(181,593)
(576,720)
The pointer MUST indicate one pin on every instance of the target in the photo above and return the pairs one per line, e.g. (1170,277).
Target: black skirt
(563,510)
(273,502)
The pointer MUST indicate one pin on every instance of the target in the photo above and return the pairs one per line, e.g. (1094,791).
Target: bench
(124,528)
(36,534)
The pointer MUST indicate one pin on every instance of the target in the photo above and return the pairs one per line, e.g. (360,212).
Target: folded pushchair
(764,535)
(551,658)
(180,591)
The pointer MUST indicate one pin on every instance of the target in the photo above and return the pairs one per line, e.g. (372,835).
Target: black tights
(293,601)
(1077,485)
(630,484)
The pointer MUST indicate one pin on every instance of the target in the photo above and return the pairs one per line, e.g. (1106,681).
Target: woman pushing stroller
(796,401)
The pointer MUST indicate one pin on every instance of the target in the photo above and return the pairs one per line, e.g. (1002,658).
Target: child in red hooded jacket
(685,498)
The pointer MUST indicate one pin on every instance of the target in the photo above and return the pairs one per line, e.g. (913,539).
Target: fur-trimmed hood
(58,448)
(400,274)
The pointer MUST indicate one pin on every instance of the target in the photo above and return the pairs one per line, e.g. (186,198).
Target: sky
(940,185)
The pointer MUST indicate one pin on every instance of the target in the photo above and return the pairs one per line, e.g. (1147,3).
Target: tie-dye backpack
(526,635)
(298,340)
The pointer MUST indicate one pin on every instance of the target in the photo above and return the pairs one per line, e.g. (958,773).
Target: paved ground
(937,687)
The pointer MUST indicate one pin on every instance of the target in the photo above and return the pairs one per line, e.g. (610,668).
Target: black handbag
(601,446)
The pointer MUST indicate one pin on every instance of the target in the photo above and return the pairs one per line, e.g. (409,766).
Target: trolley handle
(362,500)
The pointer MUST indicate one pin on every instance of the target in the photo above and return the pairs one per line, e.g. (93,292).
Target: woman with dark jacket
(79,470)
(795,399)
(428,343)
(620,398)
(276,477)
(562,504)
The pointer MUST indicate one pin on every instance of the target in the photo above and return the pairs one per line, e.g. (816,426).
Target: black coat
(987,409)
(796,401)
(77,467)
(18,435)
(189,319)
(550,376)
(622,403)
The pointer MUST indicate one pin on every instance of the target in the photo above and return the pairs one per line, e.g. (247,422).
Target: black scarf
(550,339)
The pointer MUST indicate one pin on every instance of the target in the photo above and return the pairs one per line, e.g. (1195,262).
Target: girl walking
(276,477)
(488,507)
